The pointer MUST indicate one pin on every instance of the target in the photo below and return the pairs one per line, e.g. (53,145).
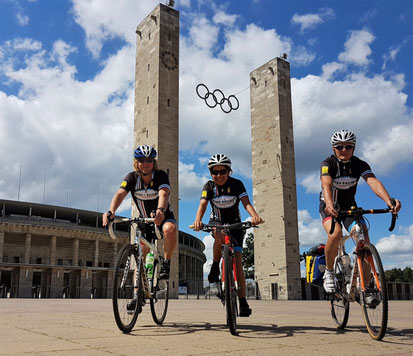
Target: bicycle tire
(123,288)
(375,316)
(340,305)
(159,295)
(230,292)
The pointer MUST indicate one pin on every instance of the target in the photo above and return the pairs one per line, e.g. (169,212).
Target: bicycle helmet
(343,136)
(145,151)
(219,160)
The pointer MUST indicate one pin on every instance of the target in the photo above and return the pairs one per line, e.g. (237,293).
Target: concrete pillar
(96,260)
(75,259)
(53,250)
(27,248)
(25,282)
(1,246)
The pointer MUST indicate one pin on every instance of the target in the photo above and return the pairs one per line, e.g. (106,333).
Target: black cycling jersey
(146,197)
(345,177)
(225,200)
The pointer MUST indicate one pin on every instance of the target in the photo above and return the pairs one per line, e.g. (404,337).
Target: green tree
(399,275)
(248,256)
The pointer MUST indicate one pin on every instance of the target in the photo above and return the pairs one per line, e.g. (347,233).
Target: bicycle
(362,279)
(130,280)
(228,284)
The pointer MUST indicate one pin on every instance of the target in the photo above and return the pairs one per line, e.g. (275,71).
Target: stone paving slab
(195,327)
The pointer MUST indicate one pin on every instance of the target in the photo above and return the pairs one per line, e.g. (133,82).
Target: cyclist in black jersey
(149,187)
(225,193)
(339,177)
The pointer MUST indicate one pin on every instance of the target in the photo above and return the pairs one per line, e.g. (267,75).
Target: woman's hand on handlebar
(197,225)
(256,220)
(107,218)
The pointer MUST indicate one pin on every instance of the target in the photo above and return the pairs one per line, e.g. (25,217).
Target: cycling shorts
(237,235)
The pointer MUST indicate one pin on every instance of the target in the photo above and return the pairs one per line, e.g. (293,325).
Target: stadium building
(57,252)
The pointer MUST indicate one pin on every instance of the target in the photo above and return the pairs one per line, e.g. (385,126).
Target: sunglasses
(221,172)
(144,160)
(341,147)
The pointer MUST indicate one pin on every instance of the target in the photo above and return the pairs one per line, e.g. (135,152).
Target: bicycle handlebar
(226,227)
(129,221)
(359,212)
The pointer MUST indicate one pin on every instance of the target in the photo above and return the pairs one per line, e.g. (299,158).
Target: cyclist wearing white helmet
(339,177)
(150,189)
(225,193)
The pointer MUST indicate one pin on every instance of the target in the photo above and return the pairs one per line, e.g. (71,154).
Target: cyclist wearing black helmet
(339,177)
(224,193)
(149,187)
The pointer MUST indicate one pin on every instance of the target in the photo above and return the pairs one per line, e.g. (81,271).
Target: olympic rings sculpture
(217,97)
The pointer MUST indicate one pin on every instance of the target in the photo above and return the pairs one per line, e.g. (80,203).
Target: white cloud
(330,68)
(357,48)
(68,127)
(22,20)
(310,21)
(397,250)
(373,107)
(311,183)
(310,231)
(190,183)
(203,34)
(103,20)
(222,18)
(393,52)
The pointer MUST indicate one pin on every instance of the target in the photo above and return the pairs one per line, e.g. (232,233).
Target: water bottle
(345,259)
(149,265)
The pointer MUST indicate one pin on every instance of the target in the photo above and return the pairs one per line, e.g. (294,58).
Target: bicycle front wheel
(374,302)
(159,295)
(340,305)
(126,308)
(230,291)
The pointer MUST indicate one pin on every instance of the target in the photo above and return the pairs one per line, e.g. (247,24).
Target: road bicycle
(361,279)
(131,281)
(228,286)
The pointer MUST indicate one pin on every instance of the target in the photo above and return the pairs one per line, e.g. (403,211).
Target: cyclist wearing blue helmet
(150,189)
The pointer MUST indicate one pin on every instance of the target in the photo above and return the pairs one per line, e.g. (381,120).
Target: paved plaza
(195,327)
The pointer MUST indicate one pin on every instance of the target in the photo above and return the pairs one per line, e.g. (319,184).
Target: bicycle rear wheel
(374,302)
(159,295)
(230,291)
(127,265)
(340,305)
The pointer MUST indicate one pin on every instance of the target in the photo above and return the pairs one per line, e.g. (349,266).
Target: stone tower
(157,99)
(276,250)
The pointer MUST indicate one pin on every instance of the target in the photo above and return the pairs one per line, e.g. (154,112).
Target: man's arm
(378,188)
(116,201)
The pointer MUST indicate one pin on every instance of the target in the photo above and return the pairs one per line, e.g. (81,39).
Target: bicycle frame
(227,241)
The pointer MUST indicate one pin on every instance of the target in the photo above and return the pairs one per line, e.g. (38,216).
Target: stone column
(27,248)
(1,246)
(53,250)
(75,260)
(96,261)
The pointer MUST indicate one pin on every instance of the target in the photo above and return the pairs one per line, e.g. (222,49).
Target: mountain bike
(362,279)
(228,286)
(131,281)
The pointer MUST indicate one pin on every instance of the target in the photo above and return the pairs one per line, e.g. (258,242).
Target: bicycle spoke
(374,303)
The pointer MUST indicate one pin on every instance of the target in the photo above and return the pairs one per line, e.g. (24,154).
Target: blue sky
(66,98)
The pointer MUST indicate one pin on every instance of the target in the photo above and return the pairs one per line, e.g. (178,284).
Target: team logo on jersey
(204,194)
(123,184)
(344,182)
(151,183)
(324,170)
(148,194)
(224,201)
